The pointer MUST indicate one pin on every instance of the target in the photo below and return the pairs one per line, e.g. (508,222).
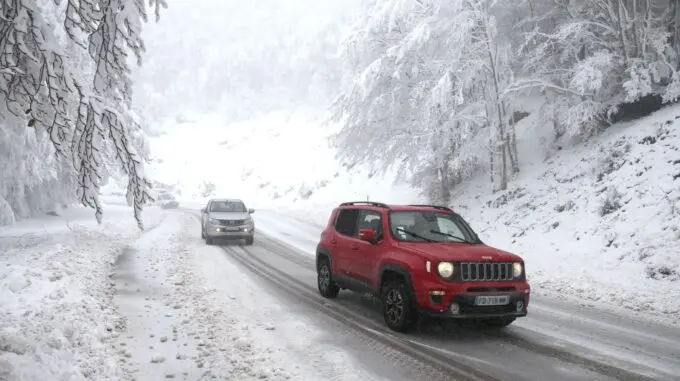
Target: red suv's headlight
(445,269)
(517,269)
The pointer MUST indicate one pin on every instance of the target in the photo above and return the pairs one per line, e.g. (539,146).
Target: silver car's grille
(232,222)
(485,271)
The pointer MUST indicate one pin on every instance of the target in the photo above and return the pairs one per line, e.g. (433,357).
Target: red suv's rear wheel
(327,287)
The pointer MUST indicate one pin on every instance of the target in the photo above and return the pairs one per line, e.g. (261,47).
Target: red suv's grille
(485,271)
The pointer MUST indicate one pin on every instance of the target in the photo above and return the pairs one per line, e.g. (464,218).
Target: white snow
(88,302)
(190,312)
(174,307)
(550,215)
(55,306)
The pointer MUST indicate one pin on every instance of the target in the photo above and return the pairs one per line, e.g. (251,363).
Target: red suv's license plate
(492,300)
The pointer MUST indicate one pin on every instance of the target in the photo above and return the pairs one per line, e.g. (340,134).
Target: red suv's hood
(460,252)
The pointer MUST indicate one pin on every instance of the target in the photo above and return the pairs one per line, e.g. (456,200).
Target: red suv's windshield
(426,226)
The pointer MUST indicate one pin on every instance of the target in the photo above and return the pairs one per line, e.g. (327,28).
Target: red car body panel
(362,262)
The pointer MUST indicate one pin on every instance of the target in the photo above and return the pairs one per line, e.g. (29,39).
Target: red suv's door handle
(354,247)
(334,242)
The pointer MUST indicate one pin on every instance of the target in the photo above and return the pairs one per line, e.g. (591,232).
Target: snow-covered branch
(434,83)
(76,91)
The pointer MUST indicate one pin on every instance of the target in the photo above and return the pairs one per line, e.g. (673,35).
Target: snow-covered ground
(57,317)
(88,302)
(191,313)
(598,222)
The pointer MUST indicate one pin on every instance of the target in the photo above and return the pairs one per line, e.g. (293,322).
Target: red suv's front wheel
(398,306)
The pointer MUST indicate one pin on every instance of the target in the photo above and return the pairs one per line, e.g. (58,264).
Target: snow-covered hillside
(599,222)
(279,159)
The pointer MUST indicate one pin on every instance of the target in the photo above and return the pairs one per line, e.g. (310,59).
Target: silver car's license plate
(492,300)
(232,229)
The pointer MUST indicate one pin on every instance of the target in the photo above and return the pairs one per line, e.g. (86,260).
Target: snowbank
(599,222)
(56,309)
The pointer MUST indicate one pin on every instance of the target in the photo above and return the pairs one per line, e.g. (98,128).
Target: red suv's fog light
(455,308)
(436,297)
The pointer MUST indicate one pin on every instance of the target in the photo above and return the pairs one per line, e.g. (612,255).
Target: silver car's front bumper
(235,232)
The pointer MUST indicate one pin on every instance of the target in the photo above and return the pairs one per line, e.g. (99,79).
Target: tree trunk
(622,33)
(503,185)
(674,24)
(444,184)
(504,168)
(492,152)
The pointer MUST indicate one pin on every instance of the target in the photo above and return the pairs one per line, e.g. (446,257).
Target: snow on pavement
(192,314)
(298,232)
(56,314)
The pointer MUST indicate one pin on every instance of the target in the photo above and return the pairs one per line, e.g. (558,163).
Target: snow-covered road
(192,314)
(79,301)
(85,302)
(556,331)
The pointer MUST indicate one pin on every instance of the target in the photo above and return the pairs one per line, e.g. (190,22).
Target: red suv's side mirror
(367,235)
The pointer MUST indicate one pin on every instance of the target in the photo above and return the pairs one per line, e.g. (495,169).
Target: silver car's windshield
(227,207)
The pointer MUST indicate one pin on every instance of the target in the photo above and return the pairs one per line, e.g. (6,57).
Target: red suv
(419,259)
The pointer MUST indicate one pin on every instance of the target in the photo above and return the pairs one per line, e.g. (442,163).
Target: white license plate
(496,300)
(232,229)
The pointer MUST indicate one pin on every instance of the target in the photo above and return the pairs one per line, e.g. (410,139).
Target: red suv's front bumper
(459,300)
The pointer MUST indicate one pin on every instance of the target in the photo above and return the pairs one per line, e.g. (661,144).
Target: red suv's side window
(346,223)
(369,219)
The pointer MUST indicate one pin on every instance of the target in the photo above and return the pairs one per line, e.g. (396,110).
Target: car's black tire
(208,240)
(324,279)
(202,233)
(399,309)
(250,241)
(499,322)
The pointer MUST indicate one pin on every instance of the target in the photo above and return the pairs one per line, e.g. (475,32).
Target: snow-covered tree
(65,72)
(437,85)
(592,56)
(430,87)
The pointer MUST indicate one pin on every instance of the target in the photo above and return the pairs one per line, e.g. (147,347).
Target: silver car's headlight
(213,220)
(445,269)
(517,269)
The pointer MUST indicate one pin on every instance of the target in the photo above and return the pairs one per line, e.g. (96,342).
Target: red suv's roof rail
(433,206)
(377,204)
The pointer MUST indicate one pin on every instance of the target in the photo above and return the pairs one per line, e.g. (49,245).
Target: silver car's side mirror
(251,211)
(203,210)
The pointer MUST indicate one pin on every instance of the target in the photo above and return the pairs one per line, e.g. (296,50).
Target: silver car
(225,218)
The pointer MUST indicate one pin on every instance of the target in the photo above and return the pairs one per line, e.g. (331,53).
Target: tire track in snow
(440,367)
(596,365)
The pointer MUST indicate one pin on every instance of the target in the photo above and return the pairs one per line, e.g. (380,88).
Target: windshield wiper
(416,235)
(461,239)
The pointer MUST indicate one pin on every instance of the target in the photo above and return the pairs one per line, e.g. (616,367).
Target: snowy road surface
(557,341)
(192,314)
(175,308)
